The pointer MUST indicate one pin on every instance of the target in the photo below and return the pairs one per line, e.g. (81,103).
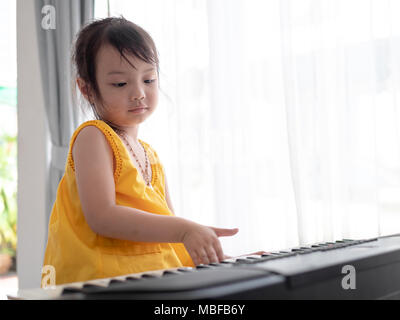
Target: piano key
(228,261)
(266,255)
(185,270)
(203,266)
(99,282)
(91,285)
(242,260)
(69,290)
(253,256)
(115,281)
(269,257)
(277,253)
(132,278)
(220,264)
(147,275)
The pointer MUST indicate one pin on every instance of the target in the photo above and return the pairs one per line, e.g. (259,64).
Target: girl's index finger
(218,251)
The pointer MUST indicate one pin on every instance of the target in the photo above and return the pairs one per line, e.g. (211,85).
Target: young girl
(113,213)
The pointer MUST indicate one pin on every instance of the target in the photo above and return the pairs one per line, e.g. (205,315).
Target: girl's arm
(93,161)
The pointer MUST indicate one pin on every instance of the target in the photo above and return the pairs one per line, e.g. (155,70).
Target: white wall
(32,152)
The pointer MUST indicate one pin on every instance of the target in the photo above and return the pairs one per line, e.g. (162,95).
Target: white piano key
(254,256)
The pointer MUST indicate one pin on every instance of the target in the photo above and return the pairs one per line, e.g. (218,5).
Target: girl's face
(124,88)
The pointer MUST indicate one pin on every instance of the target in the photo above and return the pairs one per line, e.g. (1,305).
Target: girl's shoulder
(91,135)
(90,132)
(99,124)
(97,136)
(95,129)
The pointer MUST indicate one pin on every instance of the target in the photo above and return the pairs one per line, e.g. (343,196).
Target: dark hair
(123,35)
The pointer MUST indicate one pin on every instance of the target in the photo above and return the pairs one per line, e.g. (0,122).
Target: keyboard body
(318,271)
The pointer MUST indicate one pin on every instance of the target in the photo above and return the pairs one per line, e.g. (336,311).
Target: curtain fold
(55,47)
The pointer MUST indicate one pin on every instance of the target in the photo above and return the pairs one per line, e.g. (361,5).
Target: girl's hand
(202,243)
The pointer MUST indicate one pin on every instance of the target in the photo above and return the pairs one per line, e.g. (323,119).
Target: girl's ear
(84,88)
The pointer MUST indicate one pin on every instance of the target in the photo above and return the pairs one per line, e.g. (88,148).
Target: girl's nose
(134,98)
(137,92)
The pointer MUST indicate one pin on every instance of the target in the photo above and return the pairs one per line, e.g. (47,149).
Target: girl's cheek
(154,98)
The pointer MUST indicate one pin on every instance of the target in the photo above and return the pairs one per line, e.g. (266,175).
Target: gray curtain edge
(62,114)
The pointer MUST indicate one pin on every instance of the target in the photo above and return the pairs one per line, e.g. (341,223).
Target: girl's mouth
(138,110)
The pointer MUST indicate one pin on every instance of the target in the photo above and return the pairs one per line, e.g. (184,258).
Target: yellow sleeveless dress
(79,254)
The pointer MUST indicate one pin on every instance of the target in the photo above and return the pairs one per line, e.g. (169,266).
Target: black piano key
(266,257)
(168,273)
(289,254)
(69,290)
(277,254)
(115,281)
(131,279)
(241,260)
(91,286)
(147,275)
(341,245)
(254,260)
(185,270)
(328,248)
(218,264)
(301,250)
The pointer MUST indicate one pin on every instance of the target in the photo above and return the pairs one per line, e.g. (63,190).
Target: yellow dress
(79,254)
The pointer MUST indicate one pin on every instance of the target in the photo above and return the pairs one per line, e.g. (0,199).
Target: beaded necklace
(145,174)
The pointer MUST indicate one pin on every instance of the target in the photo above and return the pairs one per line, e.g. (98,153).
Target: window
(8,137)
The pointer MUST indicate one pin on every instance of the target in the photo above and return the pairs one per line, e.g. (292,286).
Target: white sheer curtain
(279,117)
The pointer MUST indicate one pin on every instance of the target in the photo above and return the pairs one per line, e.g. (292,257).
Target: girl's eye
(119,85)
(122,84)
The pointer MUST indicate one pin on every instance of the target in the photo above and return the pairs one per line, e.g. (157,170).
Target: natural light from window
(8,147)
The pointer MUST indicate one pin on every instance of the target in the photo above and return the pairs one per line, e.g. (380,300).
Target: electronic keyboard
(344,269)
